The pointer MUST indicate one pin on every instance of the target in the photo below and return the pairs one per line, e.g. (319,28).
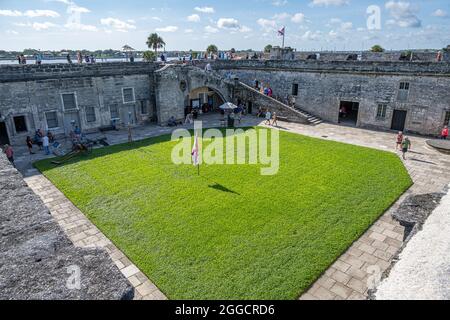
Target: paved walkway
(348,278)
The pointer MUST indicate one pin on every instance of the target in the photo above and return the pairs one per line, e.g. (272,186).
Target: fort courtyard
(225,175)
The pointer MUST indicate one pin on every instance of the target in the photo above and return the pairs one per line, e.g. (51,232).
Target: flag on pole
(282,33)
(195,152)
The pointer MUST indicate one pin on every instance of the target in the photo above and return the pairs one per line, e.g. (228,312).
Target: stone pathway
(348,278)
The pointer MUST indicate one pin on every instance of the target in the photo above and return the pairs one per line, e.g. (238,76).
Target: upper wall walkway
(362,67)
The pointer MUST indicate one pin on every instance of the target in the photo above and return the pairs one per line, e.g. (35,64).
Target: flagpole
(284,34)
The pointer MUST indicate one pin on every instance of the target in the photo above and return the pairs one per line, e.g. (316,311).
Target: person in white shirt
(46,144)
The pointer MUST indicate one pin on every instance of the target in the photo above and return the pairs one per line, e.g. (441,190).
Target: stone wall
(35,91)
(37,257)
(246,94)
(322,86)
(390,56)
(174,83)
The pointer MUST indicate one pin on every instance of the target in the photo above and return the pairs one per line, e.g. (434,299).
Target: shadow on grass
(222,188)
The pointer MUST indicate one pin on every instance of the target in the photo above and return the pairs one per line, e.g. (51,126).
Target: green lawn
(232,233)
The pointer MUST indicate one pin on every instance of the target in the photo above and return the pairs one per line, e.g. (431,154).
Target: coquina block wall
(61,96)
(374,85)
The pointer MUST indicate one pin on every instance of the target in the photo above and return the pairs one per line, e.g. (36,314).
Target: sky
(249,24)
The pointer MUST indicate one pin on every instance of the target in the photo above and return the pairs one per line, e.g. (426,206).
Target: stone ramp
(37,260)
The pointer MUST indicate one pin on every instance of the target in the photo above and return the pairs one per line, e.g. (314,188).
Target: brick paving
(348,278)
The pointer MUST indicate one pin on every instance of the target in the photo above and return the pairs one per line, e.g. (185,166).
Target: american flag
(282,31)
(195,152)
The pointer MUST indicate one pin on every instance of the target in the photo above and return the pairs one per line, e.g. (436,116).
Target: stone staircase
(310,119)
(293,114)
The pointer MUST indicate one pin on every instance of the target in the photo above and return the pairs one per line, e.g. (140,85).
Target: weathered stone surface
(36,254)
(415,210)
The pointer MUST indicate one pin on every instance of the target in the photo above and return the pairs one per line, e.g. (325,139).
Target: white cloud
(245,29)
(189,31)
(312,35)
(30,13)
(279,3)
(193,18)
(167,29)
(440,13)
(43,26)
(80,27)
(41,13)
(281,16)
(267,25)
(156,19)
(228,23)
(402,15)
(327,3)
(10,13)
(205,9)
(298,18)
(209,29)
(117,24)
(13,32)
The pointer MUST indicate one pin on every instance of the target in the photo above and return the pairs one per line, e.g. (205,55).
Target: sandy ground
(423,271)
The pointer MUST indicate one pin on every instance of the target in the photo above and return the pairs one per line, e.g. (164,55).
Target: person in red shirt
(444,133)
(399,141)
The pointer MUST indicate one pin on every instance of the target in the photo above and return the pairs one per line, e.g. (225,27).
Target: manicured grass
(232,233)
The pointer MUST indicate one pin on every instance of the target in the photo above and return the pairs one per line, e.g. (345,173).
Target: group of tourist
(22,59)
(264,89)
(271,118)
(80,58)
(42,140)
(403,144)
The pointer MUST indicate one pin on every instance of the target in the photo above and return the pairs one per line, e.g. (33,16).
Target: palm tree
(149,56)
(377,48)
(268,48)
(155,42)
(212,49)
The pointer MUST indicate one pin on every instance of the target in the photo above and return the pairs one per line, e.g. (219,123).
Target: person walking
(268,117)
(79,57)
(30,145)
(10,154)
(69,60)
(38,138)
(399,141)
(444,133)
(46,144)
(275,120)
(406,146)
(38,59)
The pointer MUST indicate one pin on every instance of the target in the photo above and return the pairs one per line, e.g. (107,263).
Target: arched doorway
(203,100)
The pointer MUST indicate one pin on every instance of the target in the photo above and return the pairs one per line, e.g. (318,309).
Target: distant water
(31,61)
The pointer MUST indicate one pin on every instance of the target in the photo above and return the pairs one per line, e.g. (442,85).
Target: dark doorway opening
(348,112)
(20,124)
(4,139)
(399,120)
(250,107)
